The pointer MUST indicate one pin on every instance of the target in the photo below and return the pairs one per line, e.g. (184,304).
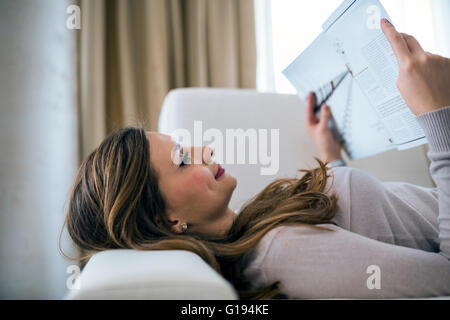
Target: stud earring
(184,227)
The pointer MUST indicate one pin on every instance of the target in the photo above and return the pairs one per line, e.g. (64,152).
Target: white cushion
(131,274)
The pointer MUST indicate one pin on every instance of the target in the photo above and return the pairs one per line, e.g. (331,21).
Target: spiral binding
(346,130)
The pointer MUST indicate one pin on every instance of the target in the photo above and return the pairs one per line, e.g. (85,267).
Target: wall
(38,145)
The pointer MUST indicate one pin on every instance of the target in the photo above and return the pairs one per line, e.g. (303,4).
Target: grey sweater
(392,238)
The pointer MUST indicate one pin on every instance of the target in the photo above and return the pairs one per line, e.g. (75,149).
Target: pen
(327,91)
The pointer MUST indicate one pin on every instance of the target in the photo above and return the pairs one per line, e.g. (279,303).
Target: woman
(335,233)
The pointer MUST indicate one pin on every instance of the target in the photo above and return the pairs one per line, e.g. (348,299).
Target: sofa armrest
(129,274)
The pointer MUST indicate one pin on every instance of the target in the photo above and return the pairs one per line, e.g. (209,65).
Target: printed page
(363,132)
(316,66)
(368,54)
(354,119)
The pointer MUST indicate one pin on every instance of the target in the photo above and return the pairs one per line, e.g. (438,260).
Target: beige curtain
(132,53)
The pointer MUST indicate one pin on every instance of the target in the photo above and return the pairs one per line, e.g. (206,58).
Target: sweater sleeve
(311,263)
(436,125)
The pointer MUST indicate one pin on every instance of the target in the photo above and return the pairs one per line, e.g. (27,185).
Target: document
(369,114)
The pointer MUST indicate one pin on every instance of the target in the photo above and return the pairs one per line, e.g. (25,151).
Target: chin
(233,181)
(230,185)
(230,177)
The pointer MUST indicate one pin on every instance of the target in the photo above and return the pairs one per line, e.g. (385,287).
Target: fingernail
(387,21)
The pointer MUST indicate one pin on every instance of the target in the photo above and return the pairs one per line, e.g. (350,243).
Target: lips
(220,171)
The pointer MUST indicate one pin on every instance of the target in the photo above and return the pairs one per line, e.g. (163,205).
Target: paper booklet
(352,63)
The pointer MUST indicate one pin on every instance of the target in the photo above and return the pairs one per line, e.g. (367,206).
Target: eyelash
(185,158)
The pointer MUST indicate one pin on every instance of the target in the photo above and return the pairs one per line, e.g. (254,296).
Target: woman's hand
(424,78)
(327,145)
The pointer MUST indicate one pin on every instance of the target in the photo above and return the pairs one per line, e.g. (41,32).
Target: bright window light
(287,27)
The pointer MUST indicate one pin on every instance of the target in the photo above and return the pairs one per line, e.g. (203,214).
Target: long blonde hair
(116,203)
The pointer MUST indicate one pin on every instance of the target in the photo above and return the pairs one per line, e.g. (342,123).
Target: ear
(175,225)
(174,222)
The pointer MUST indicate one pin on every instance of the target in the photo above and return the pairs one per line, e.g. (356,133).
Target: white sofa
(128,274)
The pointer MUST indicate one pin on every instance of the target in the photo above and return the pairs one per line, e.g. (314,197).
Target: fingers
(398,43)
(311,118)
(413,45)
(325,116)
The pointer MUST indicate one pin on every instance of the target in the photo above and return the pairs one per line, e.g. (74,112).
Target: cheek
(191,188)
(199,180)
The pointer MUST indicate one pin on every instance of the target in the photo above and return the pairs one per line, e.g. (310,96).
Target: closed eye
(185,159)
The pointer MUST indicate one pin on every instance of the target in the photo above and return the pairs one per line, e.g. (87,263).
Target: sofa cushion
(130,274)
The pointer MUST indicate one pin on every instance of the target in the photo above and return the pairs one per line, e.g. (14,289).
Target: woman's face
(194,196)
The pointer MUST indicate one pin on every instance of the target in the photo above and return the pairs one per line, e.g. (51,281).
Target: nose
(202,155)
(208,153)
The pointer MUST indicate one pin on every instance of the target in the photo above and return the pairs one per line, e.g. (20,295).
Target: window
(286,27)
